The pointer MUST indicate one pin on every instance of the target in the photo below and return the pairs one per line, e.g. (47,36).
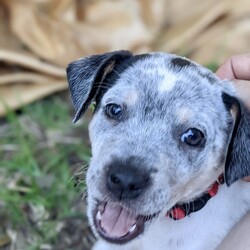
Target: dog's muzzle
(125,182)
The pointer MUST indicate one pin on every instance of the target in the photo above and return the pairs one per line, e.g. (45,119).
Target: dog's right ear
(86,76)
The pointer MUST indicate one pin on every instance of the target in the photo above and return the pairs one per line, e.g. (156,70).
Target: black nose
(125,178)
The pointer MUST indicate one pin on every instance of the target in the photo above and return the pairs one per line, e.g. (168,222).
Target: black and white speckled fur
(163,95)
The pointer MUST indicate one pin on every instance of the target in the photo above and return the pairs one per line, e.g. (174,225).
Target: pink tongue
(116,221)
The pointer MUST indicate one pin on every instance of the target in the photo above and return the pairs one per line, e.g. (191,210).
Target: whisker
(84,194)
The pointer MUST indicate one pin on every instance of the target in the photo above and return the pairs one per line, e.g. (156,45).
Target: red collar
(179,211)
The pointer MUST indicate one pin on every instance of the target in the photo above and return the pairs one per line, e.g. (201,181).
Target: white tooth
(132,229)
(99,215)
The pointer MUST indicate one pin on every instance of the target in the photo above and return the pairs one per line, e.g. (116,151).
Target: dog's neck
(179,211)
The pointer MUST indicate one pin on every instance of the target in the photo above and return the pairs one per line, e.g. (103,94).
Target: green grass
(213,66)
(40,150)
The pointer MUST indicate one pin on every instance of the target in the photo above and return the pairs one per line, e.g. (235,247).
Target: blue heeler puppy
(166,133)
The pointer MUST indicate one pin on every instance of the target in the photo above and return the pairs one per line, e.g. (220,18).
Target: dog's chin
(117,224)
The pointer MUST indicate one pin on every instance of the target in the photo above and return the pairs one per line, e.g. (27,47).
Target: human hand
(237,68)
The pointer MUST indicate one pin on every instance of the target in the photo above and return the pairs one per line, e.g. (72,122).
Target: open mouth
(117,224)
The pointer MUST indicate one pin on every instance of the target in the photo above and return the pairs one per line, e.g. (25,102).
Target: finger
(237,67)
(247,179)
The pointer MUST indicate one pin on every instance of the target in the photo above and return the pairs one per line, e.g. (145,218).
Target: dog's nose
(125,180)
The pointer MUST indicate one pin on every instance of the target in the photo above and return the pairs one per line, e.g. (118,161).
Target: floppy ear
(86,75)
(237,163)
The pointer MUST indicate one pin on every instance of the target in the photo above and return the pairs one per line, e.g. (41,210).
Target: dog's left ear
(237,163)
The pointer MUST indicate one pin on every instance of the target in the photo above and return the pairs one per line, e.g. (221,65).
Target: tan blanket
(39,37)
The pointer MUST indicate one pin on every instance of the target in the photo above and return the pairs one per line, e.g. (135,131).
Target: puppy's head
(163,130)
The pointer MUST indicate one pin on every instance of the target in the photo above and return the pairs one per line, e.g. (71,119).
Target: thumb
(247,178)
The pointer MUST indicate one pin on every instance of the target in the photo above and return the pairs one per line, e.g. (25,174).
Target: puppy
(166,134)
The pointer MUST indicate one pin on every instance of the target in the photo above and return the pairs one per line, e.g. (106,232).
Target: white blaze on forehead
(167,83)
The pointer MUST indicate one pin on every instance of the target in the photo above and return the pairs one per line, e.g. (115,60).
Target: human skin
(238,238)
(237,68)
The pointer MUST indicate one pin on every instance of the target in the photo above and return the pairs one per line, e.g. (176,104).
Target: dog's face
(160,134)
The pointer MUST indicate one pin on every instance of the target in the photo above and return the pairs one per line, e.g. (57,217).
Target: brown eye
(192,137)
(113,111)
